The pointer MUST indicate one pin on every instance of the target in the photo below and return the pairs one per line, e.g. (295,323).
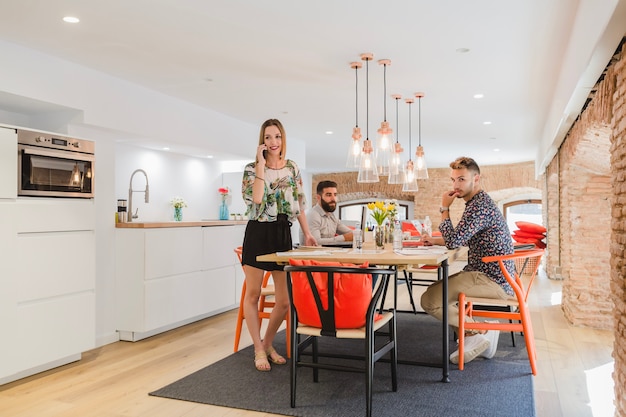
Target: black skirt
(262,238)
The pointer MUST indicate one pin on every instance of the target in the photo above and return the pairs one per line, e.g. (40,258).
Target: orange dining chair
(265,306)
(518,315)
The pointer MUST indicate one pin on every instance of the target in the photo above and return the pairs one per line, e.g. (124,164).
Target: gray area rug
(501,386)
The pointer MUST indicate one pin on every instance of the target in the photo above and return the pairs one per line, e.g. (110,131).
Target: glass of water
(357,239)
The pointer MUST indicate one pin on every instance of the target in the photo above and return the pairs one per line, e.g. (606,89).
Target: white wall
(117,115)
(196,180)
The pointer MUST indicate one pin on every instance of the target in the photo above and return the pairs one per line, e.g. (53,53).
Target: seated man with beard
(324,226)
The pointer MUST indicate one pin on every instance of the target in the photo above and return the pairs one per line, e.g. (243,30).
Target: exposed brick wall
(579,212)
(586,214)
(618,234)
(500,181)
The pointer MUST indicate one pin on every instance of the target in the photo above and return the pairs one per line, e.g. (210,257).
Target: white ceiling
(534,60)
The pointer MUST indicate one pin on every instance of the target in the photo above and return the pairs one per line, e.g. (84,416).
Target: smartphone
(265,154)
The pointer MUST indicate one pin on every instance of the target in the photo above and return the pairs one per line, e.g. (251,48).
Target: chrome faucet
(132,215)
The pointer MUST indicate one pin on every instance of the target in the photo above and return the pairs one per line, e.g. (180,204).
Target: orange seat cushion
(352,295)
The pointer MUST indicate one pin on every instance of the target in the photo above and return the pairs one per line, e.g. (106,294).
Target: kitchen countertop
(198,223)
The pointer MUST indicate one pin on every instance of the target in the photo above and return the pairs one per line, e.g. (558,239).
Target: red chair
(265,306)
(518,315)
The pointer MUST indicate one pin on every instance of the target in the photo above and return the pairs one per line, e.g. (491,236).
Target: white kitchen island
(169,274)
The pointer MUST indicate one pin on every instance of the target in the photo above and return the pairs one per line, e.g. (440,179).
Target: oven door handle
(31,150)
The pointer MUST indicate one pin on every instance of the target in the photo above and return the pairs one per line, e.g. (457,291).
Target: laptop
(338,245)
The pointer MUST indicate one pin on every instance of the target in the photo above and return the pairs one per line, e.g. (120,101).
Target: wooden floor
(574,377)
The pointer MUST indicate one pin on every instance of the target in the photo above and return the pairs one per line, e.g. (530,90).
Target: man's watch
(442,209)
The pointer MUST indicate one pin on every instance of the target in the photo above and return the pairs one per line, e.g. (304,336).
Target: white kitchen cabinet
(171,276)
(8,162)
(47,282)
(8,273)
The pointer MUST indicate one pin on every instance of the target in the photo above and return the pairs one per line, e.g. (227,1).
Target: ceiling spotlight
(479,95)
(462,50)
(71,19)
(487,123)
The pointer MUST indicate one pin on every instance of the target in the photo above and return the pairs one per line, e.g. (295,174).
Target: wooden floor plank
(575,366)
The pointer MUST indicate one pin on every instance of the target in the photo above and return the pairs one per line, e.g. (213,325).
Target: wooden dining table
(405,258)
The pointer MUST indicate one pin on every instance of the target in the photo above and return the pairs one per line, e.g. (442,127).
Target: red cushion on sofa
(531,227)
(537,242)
(521,239)
(410,227)
(352,294)
(534,235)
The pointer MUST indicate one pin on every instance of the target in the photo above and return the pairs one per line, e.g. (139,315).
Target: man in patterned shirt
(484,230)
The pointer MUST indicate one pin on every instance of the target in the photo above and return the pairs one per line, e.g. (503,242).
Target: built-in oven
(54,165)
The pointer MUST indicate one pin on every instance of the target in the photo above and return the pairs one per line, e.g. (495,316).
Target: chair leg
(529,338)
(316,371)
(239,318)
(394,354)
(369,372)
(288,334)
(408,278)
(461,335)
(294,364)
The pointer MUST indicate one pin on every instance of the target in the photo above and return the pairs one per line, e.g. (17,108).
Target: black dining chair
(324,289)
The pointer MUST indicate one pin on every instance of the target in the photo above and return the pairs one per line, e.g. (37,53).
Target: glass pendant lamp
(396,169)
(410,182)
(421,171)
(384,144)
(367,166)
(354,153)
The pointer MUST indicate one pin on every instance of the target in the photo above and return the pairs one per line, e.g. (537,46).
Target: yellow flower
(381,210)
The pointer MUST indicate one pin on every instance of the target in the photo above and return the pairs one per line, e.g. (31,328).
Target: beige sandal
(275,357)
(261,363)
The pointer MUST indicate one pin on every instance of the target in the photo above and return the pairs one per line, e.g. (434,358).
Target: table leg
(443,275)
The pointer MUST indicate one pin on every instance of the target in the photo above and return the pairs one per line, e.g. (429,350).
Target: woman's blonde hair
(279,125)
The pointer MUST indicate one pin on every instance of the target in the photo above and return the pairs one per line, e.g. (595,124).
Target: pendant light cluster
(386,159)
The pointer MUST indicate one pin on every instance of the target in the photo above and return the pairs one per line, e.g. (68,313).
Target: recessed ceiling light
(479,95)
(462,50)
(209,156)
(487,123)
(71,19)
(496,149)
(166,148)
(329,132)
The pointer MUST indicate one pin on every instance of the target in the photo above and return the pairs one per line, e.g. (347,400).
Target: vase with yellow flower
(380,212)
(178,203)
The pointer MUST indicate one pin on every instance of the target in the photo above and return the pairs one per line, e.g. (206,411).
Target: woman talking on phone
(273,192)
